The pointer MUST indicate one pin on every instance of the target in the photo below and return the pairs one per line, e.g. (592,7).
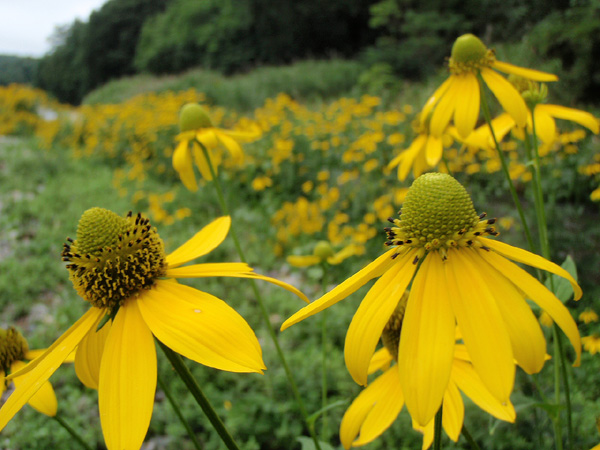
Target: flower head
(196,130)
(14,352)
(377,406)
(458,97)
(460,277)
(119,266)
(322,253)
(591,343)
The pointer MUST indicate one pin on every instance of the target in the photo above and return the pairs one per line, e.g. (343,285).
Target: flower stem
(465,432)
(72,432)
(263,310)
(188,379)
(437,430)
(513,192)
(178,413)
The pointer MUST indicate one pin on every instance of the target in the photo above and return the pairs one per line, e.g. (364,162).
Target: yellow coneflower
(323,252)
(588,316)
(459,277)
(119,266)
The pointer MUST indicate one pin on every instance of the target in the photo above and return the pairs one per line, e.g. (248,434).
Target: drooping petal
(236,270)
(203,242)
(202,163)
(445,108)
(575,115)
(380,361)
(467,109)
(480,323)
(538,293)
(533,260)
(373,411)
(434,99)
(531,74)
(482,137)
(127,380)
(467,380)
(545,127)
(433,150)
(453,414)
(303,260)
(507,95)
(426,345)
(89,354)
(526,337)
(235,150)
(343,290)
(373,313)
(38,371)
(44,400)
(405,159)
(201,327)
(182,163)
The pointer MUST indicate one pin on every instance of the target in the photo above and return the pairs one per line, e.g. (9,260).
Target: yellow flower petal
(303,260)
(482,138)
(236,270)
(453,413)
(467,380)
(182,163)
(537,292)
(203,242)
(526,337)
(41,369)
(235,150)
(373,313)
(343,290)
(405,159)
(433,150)
(480,323)
(575,115)
(434,99)
(44,400)
(467,109)
(545,127)
(427,342)
(445,108)
(208,137)
(507,95)
(531,74)
(127,380)
(380,360)
(201,161)
(533,260)
(373,411)
(201,327)
(89,354)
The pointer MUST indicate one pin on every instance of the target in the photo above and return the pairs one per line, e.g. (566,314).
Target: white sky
(26,25)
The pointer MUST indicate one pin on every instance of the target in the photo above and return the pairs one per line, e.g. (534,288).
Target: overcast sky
(26,25)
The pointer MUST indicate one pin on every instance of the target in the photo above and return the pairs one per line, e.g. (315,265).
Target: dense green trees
(14,69)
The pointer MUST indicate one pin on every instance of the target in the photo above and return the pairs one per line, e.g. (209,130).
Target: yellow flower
(14,351)
(323,252)
(195,126)
(459,278)
(588,316)
(376,407)
(118,264)
(591,343)
(458,97)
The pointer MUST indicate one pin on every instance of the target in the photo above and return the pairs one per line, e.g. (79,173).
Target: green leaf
(560,286)
(308,444)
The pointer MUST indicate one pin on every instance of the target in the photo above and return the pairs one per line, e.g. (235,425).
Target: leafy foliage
(14,69)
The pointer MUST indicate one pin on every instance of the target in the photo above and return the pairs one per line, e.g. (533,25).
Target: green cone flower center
(437,214)
(13,347)
(323,250)
(470,54)
(113,257)
(391,332)
(193,117)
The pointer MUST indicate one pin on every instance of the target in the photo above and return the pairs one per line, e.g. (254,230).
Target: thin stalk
(556,420)
(565,378)
(178,413)
(469,438)
(437,430)
(263,310)
(188,379)
(513,192)
(72,432)
(324,430)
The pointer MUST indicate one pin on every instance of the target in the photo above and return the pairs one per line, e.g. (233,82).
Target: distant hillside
(15,69)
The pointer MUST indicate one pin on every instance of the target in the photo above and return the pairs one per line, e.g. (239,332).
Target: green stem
(188,379)
(469,438)
(556,420)
(263,310)
(437,430)
(72,432)
(566,387)
(324,430)
(513,192)
(178,413)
